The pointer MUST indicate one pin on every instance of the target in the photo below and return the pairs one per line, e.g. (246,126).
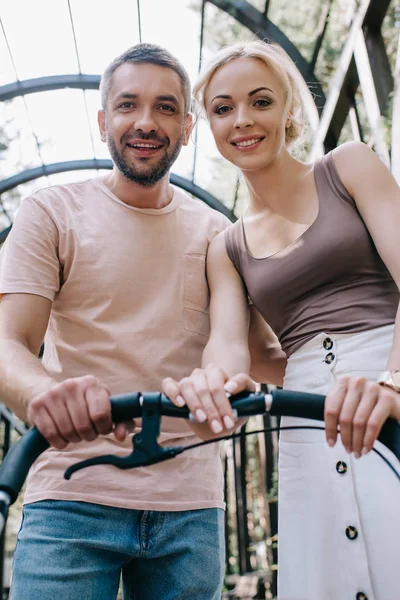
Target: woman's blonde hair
(280,64)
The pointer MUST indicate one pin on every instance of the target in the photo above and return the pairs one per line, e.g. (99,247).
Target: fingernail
(228,422)
(347,450)
(216,426)
(231,387)
(331,443)
(201,415)
(180,401)
(364,451)
(357,454)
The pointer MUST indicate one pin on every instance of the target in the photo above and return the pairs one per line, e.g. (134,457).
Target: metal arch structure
(46,84)
(96,164)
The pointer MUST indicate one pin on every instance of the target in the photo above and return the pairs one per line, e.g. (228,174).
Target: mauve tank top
(331,279)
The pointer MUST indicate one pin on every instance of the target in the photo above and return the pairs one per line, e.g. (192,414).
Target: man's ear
(101,120)
(188,129)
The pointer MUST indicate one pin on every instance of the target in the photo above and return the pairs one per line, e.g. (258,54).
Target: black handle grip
(311,406)
(297,404)
(248,403)
(125,407)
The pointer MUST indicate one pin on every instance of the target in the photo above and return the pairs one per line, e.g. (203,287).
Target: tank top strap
(327,179)
(235,244)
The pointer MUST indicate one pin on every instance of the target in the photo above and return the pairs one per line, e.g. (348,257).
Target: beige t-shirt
(130,306)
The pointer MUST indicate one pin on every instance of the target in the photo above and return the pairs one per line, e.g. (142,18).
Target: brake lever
(146,450)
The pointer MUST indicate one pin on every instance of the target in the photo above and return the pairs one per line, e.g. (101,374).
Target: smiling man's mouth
(145,145)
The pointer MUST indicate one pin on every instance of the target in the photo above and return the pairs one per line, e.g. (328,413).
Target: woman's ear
(288,121)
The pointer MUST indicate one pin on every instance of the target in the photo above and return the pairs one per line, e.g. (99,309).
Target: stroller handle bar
(150,406)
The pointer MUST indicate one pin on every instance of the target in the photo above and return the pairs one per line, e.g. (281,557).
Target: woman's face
(245,106)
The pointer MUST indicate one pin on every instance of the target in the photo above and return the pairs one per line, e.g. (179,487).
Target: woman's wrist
(391,379)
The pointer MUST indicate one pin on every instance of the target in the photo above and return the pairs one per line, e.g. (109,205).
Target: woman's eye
(220,110)
(263,102)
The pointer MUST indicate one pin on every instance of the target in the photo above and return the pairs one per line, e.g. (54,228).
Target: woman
(317,252)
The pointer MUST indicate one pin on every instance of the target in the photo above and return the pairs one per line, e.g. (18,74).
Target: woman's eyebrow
(224,96)
(259,90)
(228,97)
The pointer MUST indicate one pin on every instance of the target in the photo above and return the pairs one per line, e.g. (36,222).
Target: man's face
(144,123)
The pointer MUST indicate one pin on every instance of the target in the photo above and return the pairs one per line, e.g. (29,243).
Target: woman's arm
(360,406)
(268,361)
(226,353)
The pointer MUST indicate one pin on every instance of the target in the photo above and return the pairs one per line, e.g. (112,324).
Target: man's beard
(148,177)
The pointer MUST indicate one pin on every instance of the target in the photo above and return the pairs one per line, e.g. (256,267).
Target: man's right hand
(74,410)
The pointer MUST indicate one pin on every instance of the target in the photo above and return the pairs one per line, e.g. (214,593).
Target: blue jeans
(78,550)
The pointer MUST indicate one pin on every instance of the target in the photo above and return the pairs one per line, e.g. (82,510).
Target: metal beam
(380,68)
(90,164)
(239,459)
(375,14)
(370,96)
(45,84)
(381,71)
(322,27)
(344,104)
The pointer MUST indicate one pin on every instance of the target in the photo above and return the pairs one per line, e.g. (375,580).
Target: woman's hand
(204,392)
(359,407)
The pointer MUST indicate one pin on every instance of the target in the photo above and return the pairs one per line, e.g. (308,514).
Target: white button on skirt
(339,517)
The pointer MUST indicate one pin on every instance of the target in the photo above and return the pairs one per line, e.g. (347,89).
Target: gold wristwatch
(390,379)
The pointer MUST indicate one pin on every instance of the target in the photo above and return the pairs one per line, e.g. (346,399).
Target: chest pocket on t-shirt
(196,295)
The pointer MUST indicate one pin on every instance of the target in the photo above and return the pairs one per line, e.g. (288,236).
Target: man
(112,270)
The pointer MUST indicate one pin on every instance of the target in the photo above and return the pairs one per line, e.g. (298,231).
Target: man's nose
(145,121)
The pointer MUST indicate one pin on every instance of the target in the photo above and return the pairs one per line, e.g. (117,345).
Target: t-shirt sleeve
(29,260)
(224,222)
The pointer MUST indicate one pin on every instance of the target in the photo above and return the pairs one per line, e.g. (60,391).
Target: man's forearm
(22,376)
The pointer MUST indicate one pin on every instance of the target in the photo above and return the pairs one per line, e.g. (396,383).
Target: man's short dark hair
(145,53)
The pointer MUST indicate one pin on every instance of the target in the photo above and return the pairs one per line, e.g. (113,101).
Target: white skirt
(339,517)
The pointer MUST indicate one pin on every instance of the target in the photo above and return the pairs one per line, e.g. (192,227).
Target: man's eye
(167,108)
(220,110)
(126,105)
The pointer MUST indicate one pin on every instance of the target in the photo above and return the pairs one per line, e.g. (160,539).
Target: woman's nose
(243,119)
